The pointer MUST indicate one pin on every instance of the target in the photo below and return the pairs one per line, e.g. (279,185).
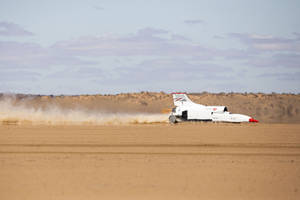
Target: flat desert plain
(150,161)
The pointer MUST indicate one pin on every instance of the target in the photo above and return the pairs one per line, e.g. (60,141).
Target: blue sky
(88,47)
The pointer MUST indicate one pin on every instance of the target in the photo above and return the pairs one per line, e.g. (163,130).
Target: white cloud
(11,29)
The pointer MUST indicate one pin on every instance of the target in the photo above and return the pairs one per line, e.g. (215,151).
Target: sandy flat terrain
(152,161)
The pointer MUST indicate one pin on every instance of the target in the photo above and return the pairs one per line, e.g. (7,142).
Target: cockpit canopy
(217,109)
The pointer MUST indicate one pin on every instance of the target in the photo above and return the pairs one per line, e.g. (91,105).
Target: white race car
(186,110)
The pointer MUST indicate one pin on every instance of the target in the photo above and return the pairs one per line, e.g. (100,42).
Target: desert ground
(121,147)
(152,161)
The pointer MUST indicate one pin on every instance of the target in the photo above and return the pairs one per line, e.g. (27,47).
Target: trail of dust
(20,113)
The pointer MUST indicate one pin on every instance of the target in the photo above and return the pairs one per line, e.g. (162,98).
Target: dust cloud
(19,112)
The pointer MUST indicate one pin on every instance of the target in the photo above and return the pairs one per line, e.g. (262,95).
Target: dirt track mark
(157,149)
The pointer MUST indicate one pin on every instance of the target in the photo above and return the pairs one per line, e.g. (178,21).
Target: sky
(108,47)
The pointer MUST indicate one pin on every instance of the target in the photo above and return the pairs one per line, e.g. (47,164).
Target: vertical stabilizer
(180,99)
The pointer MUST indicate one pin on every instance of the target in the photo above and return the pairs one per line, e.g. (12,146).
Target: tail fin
(180,98)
